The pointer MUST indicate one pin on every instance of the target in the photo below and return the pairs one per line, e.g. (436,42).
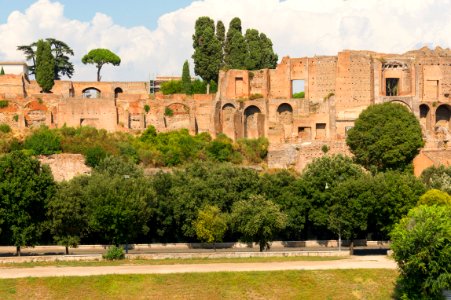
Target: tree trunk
(67,250)
(208,88)
(18,250)
(351,247)
(98,73)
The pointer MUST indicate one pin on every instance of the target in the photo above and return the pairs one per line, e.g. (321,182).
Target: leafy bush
(114,253)
(3,103)
(220,149)
(168,112)
(43,141)
(16,118)
(5,128)
(146,108)
(94,155)
(171,87)
(254,150)
(299,95)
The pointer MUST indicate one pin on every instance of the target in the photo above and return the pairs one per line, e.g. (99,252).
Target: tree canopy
(421,247)
(60,51)
(45,66)
(99,57)
(385,136)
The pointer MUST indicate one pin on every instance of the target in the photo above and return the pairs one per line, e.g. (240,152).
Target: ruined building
(260,103)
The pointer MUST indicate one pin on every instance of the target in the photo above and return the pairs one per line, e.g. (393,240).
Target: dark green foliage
(4,103)
(235,48)
(43,141)
(60,51)
(117,166)
(393,194)
(5,128)
(100,57)
(422,248)
(45,66)
(437,178)
(146,108)
(172,87)
(268,57)
(114,253)
(15,117)
(186,79)
(207,50)
(257,220)
(321,177)
(221,149)
(94,156)
(66,212)
(2,71)
(168,112)
(299,95)
(254,54)
(220,35)
(118,207)
(25,189)
(385,136)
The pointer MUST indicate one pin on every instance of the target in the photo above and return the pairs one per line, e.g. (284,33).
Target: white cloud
(296,27)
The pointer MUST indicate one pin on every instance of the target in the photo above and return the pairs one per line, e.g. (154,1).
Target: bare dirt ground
(354,262)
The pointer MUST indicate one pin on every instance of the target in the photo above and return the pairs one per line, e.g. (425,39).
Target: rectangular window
(239,86)
(298,88)
(391,86)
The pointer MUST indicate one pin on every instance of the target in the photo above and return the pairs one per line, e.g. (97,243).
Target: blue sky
(127,13)
(154,37)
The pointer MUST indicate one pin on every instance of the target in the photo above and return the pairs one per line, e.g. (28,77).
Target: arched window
(91,93)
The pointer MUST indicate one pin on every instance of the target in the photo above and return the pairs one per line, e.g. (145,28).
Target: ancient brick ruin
(260,103)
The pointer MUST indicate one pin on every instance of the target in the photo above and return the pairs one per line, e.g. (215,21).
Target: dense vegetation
(118,204)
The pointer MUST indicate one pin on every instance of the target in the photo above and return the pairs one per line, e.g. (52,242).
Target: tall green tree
(258,220)
(25,189)
(207,51)
(422,248)
(45,66)
(186,78)
(2,71)
(220,35)
(253,59)
(99,57)
(268,57)
(235,48)
(67,214)
(60,51)
(385,136)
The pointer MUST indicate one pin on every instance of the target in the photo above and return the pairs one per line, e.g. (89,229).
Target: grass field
(170,261)
(331,284)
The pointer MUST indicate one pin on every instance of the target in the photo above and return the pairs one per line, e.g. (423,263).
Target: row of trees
(215,50)
(50,61)
(118,204)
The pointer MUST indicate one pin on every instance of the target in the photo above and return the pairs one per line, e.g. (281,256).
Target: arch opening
(91,93)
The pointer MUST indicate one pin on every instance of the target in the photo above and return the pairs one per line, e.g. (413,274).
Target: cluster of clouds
(297,28)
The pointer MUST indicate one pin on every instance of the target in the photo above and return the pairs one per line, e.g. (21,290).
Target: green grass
(331,284)
(169,261)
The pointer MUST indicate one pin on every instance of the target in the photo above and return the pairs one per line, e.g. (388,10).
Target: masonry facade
(258,103)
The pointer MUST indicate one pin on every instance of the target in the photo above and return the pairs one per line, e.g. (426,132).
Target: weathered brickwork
(258,103)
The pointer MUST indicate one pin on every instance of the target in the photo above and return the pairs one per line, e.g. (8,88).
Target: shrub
(43,141)
(171,87)
(5,128)
(168,112)
(146,108)
(114,253)
(299,95)
(254,150)
(94,155)
(16,118)
(255,96)
(3,103)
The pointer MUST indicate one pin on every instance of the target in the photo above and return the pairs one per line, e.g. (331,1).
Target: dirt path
(355,262)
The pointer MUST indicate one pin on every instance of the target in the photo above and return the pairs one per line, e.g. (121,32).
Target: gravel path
(355,262)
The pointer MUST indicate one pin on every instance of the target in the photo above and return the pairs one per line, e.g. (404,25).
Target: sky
(155,37)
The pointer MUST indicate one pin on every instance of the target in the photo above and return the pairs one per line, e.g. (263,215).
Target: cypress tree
(45,66)
(2,72)
(220,35)
(254,52)
(186,78)
(235,50)
(207,50)
(268,57)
